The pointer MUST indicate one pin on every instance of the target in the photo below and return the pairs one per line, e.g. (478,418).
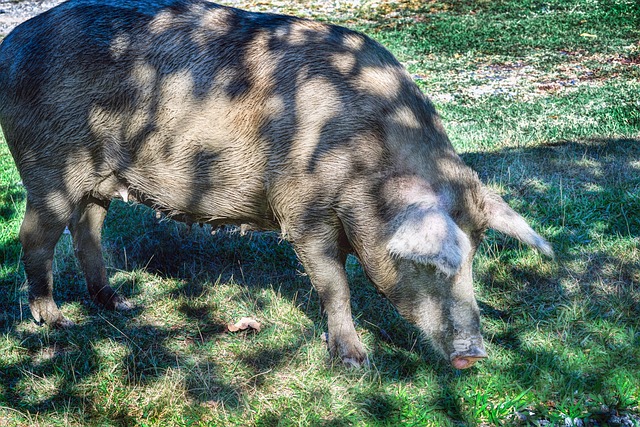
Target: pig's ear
(429,236)
(505,220)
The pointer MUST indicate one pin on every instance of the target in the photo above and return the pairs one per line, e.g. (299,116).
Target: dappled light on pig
(162,22)
(301,33)
(344,62)
(216,22)
(312,119)
(119,45)
(262,63)
(429,236)
(504,219)
(214,115)
(404,117)
(379,81)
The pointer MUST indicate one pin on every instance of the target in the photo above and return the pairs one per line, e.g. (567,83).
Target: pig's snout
(464,362)
(467,352)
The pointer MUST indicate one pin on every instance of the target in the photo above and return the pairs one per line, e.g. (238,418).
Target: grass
(541,98)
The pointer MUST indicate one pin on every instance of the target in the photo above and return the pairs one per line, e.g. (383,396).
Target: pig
(215,115)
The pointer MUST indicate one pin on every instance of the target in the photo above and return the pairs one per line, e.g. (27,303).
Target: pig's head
(432,237)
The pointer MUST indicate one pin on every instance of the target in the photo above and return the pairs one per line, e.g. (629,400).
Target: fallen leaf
(589,36)
(244,324)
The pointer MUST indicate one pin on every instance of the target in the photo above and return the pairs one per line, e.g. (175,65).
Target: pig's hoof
(45,311)
(350,351)
(353,363)
(122,304)
(354,355)
(64,323)
(115,302)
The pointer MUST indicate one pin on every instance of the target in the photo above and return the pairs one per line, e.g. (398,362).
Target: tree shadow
(585,194)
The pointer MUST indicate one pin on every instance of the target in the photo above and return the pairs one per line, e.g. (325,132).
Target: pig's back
(200,108)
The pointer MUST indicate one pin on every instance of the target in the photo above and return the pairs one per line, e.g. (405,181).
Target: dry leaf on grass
(244,324)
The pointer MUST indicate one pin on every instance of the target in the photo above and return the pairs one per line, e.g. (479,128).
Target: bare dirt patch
(13,13)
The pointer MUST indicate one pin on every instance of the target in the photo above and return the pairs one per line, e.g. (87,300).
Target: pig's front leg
(324,263)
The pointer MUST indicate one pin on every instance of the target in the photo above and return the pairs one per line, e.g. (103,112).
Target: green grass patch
(541,98)
(515,28)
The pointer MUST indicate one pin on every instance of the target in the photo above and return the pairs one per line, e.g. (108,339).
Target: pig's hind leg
(86,229)
(39,233)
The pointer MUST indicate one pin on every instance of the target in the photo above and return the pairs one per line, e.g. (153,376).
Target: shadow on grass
(586,196)
(578,192)
(11,195)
